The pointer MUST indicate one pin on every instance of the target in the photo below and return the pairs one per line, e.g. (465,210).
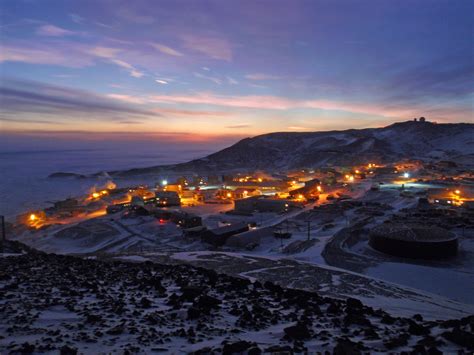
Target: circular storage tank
(413,241)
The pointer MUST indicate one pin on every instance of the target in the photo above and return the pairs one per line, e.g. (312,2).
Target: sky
(217,71)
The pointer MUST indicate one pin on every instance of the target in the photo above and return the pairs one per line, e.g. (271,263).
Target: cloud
(166,50)
(258,102)
(161,81)
(34,53)
(231,80)
(210,78)
(281,103)
(20,98)
(136,73)
(260,76)
(132,70)
(243,125)
(134,16)
(297,128)
(192,113)
(212,46)
(76,18)
(126,98)
(131,122)
(53,31)
(104,52)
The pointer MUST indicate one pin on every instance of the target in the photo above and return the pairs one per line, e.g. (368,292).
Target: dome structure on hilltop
(413,241)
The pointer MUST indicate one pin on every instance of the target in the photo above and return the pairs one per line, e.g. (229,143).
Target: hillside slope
(289,150)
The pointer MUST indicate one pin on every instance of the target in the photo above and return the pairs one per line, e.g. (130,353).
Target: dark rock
(417,329)
(117,330)
(460,337)
(298,332)
(207,303)
(354,303)
(280,349)
(346,347)
(193,313)
(145,302)
(237,347)
(67,350)
(191,292)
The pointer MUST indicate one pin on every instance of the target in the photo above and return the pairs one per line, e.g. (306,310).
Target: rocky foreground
(51,303)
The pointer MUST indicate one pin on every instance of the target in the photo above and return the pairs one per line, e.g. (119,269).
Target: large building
(167,199)
(413,241)
(265,204)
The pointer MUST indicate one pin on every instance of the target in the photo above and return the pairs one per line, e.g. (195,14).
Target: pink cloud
(260,76)
(127,98)
(53,31)
(280,103)
(166,50)
(33,53)
(212,46)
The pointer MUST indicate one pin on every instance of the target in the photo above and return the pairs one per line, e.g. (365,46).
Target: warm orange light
(319,188)
(457,192)
(32,217)
(229,194)
(259,179)
(95,195)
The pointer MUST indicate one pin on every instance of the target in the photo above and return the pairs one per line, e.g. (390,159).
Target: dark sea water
(23,172)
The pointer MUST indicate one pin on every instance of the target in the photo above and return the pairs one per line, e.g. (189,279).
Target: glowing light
(259,179)
(32,217)
(164,182)
(319,188)
(229,195)
(357,171)
(457,192)
(95,195)
(406,175)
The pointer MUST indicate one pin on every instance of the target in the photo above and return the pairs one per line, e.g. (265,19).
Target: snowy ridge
(290,150)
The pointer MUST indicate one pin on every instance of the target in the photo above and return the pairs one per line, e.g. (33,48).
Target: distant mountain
(290,150)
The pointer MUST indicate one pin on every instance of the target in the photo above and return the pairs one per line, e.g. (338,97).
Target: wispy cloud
(231,80)
(54,31)
(131,69)
(20,97)
(126,98)
(281,103)
(260,76)
(237,126)
(298,128)
(33,53)
(207,77)
(166,50)
(77,19)
(133,15)
(104,52)
(212,46)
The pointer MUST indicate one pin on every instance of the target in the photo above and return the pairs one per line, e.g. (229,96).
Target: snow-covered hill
(288,150)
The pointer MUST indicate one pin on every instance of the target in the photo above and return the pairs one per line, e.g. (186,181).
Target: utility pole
(4,235)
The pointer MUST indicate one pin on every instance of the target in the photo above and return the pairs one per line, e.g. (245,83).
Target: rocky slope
(282,151)
(50,303)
